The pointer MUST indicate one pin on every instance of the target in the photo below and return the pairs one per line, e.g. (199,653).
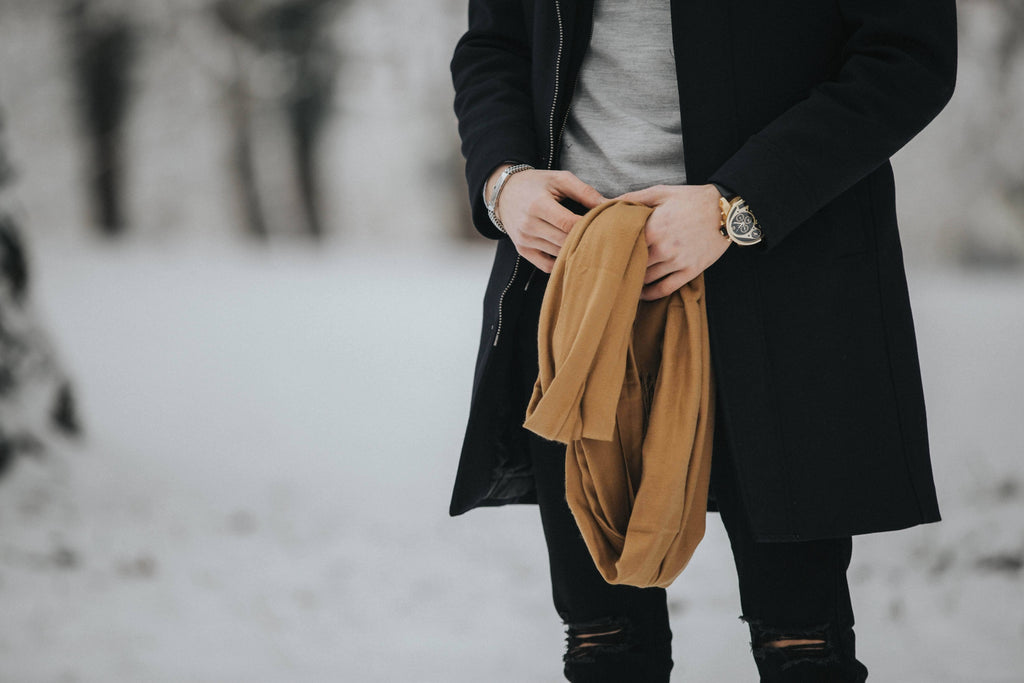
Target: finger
(537,244)
(657,271)
(543,262)
(538,236)
(650,196)
(568,185)
(543,231)
(652,231)
(656,248)
(665,286)
(556,215)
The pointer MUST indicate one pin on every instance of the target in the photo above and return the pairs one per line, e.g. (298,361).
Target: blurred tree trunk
(102,44)
(280,100)
(35,395)
(991,142)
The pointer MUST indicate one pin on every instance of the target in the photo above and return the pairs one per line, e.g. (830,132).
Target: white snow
(271,438)
(261,495)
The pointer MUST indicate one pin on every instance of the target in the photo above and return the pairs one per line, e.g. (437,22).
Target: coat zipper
(551,156)
(575,83)
(554,99)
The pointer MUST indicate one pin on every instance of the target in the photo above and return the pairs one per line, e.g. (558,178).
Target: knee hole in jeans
(794,645)
(589,641)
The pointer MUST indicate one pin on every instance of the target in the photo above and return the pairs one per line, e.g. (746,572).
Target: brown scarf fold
(627,385)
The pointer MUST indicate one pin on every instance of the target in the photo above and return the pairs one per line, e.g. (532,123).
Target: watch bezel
(738,206)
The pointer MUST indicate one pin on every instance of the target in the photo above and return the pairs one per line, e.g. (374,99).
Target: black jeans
(620,634)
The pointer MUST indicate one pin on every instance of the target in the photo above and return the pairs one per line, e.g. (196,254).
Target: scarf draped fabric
(627,386)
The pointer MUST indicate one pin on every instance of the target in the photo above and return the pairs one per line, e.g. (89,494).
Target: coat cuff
(773,187)
(490,152)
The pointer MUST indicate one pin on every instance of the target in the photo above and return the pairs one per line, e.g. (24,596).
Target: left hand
(682,234)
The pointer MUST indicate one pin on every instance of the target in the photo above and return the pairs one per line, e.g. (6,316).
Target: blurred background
(229,419)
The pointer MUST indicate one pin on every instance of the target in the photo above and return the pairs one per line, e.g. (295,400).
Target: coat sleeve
(898,71)
(493,102)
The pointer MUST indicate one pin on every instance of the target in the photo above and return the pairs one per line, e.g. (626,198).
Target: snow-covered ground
(261,495)
(262,490)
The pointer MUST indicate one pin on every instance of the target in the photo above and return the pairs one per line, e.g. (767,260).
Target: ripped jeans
(620,634)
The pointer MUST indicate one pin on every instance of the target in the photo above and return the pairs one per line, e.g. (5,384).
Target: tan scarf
(627,385)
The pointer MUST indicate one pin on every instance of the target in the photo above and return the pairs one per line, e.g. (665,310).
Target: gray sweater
(624,130)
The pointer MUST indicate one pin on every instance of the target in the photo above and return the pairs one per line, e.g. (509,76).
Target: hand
(528,208)
(682,234)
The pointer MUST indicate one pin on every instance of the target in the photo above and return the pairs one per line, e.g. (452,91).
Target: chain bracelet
(492,203)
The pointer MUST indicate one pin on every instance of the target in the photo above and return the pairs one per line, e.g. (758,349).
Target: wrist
(492,179)
(492,196)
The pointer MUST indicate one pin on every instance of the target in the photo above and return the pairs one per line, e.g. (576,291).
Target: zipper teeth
(501,299)
(576,81)
(551,157)
(554,100)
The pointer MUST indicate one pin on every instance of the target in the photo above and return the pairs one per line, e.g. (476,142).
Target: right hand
(534,220)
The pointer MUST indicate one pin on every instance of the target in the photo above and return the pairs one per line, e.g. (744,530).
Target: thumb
(572,187)
(650,196)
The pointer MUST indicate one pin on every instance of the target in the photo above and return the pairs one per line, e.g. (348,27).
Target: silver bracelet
(492,203)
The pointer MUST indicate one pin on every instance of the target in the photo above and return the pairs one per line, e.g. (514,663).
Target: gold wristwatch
(739,224)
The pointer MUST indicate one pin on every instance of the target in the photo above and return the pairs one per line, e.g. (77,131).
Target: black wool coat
(797,106)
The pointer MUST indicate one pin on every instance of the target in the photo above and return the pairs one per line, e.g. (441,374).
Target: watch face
(742,223)
(743,227)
